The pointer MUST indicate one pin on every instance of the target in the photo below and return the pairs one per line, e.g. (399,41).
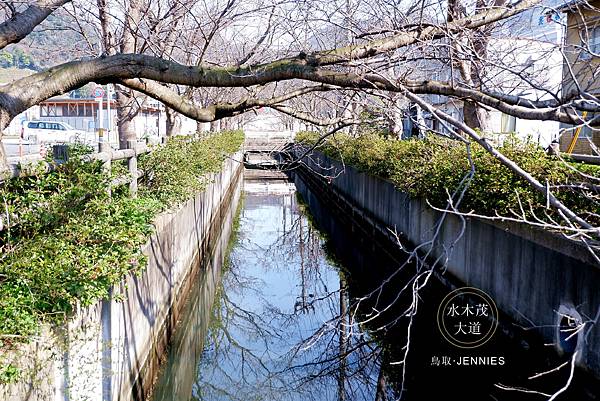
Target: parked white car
(52,132)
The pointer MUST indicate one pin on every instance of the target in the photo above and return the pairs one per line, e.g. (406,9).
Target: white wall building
(83,114)
(530,45)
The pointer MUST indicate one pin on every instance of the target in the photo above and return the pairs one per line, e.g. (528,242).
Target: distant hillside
(17,58)
(52,42)
(55,42)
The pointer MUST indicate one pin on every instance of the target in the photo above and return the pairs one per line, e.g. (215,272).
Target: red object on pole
(98,93)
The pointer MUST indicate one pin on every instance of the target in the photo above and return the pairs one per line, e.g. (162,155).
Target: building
(580,72)
(84,114)
(267,123)
(523,57)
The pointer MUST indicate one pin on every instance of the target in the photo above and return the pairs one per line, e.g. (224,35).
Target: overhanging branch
(216,111)
(21,24)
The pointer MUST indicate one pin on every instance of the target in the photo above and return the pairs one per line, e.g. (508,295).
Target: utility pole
(109,129)
(99,95)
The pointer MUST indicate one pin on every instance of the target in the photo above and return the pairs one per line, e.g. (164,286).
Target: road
(11,146)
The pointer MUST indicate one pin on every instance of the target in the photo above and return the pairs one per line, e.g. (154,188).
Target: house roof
(66,99)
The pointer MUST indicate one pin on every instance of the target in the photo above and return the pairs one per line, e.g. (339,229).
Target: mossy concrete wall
(111,351)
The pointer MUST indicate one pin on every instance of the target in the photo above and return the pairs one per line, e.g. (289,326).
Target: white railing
(270,135)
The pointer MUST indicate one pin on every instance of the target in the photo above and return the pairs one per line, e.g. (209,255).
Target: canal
(305,306)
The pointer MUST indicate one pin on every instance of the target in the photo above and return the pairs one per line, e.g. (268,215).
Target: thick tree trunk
(125,114)
(126,129)
(394,117)
(126,106)
(173,122)
(199,127)
(3,161)
(476,116)
(4,121)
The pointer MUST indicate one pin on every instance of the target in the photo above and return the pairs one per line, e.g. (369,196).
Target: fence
(106,155)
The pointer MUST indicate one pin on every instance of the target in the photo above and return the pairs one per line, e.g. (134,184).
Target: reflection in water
(267,338)
(179,373)
(275,331)
(283,324)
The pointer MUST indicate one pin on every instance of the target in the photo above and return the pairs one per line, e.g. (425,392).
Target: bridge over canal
(262,151)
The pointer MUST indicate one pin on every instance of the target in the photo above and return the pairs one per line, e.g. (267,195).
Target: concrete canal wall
(112,350)
(533,275)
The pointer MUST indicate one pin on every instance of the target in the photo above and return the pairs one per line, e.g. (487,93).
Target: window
(52,110)
(91,110)
(58,110)
(590,43)
(594,40)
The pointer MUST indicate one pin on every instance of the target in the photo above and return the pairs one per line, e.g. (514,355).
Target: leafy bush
(173,171)
(72,242)
(9,373)
(432,167)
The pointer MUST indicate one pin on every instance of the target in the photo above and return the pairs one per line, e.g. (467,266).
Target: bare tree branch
(21,24)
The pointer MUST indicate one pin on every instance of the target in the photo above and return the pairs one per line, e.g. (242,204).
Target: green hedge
(432,167)
(73,242)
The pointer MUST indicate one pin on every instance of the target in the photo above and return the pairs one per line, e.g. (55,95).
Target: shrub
(176,171)
(432,167)
(72,242)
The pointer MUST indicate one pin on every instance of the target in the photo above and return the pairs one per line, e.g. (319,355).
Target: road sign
(98,92)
